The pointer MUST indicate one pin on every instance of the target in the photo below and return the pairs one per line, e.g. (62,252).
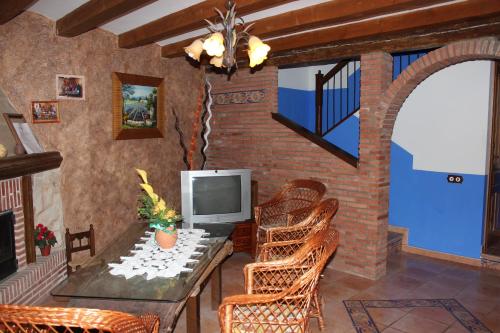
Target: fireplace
(8,261)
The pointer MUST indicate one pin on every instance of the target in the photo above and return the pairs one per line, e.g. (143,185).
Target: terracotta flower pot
(165,240)
(45,250)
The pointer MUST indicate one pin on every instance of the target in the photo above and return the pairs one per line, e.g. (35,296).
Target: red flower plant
(44,237)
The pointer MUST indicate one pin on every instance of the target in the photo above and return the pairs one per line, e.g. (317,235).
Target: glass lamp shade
(257,51)
(214,45)
(217,61)
(195,49)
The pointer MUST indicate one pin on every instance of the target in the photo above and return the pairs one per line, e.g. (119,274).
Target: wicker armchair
(280,242)
(18,318)
(279,293)
(291,201)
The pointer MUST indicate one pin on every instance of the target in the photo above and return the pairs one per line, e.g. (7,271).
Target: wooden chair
(71,248)
(15,318)
(279,293)
(289,202)
(319,218)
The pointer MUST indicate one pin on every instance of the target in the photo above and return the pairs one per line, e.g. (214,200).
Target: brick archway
(409,79)
(399,90)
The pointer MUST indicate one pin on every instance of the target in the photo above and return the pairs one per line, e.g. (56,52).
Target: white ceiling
(55,9)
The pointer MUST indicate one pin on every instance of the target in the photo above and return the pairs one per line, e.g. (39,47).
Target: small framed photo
(70,87)
(45,112)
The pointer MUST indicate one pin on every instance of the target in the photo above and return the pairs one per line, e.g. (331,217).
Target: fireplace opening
(8,261)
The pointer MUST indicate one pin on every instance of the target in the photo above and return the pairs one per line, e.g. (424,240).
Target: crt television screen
(216,195)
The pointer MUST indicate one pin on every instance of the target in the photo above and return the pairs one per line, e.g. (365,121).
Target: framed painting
(137,106)
(70,87)
(45,112)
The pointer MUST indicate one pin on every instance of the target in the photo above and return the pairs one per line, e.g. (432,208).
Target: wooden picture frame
(70,87)
(138,111)
(10,119)
(43,112)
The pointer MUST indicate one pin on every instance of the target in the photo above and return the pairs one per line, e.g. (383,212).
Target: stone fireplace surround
(32,282)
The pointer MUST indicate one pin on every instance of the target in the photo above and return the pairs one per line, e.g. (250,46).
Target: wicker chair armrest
(253,270)
(270,212)
(279,250)
(295,232)
(250,299)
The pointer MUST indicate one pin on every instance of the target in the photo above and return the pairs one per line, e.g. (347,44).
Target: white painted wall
(452,132)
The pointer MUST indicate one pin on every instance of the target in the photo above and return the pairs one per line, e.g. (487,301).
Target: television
(215,195)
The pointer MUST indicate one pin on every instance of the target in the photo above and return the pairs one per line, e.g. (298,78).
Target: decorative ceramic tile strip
(239,97)
(363,322)
(153,261)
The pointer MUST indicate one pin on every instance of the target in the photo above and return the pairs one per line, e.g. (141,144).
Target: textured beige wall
(98,183)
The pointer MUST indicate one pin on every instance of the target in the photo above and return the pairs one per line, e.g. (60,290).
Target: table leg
(216,286)
(193,314)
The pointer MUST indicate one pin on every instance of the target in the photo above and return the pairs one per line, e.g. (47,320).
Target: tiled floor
(408,277)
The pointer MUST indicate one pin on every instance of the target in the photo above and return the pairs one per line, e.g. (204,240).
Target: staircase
(337,100)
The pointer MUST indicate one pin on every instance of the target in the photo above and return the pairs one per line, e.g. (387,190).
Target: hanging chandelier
(223,40)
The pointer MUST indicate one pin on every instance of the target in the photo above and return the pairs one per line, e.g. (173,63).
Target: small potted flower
(44,239)
(160,216)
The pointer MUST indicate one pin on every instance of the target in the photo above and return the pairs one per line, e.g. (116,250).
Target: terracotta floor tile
(415,324)
(457,328)
(391,330)
(386,316)
(437,314)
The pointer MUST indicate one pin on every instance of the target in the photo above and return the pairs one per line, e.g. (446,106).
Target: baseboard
(432,254)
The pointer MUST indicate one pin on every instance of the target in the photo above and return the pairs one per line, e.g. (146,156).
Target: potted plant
(160,216)
(44,239)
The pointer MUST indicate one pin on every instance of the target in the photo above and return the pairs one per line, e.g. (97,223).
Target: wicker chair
(16,318)
(281,242)
(290,205)
(279,293)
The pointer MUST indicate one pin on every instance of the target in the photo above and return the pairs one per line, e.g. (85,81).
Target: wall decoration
(45,112)
(239,97)
(206,129)
(70,87)
(196,125)
(137,106)
(181,140)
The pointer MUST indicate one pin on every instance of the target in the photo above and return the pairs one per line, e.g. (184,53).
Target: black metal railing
(337,95)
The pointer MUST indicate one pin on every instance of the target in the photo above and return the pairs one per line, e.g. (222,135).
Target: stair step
(394,242)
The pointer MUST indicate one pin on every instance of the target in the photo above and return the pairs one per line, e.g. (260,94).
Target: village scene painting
(139,106)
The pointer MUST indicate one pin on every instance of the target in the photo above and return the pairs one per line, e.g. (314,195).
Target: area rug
(363,322)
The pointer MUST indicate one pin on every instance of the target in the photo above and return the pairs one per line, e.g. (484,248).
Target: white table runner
(148,258)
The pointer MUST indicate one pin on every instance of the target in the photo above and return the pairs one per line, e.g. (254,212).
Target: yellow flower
(160,206)
(149,190)
(143,174)
(171,214)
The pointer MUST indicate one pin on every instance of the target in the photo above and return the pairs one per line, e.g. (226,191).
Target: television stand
(245,232)
(244,237)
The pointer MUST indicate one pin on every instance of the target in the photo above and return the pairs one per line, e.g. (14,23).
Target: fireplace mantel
(22,165)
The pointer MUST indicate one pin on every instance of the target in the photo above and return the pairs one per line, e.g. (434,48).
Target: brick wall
(32,282)
(245,136)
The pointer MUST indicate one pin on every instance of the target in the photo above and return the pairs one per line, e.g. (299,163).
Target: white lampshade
(195,49)
(217,61)
(214,45)
(257,51)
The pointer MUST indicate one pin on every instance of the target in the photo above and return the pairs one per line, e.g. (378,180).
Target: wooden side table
(243,237)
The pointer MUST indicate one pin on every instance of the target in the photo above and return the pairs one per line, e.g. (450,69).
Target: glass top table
(95,280)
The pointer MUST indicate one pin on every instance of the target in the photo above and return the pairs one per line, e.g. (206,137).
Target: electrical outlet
(456,179)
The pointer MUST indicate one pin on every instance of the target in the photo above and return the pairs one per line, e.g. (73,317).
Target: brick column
(374,161)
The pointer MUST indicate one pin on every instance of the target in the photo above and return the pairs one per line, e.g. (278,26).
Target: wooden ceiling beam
(11,8)
(324,14)
(435,17)
(417,40)
(188,19)
(94,14)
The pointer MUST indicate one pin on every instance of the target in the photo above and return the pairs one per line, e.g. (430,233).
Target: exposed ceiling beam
(415,40)
(94,14)
(427,18)
(324,14)
(188,19)
(11,8)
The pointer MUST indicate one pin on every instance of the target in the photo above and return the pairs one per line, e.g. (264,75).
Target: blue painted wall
(441,216)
